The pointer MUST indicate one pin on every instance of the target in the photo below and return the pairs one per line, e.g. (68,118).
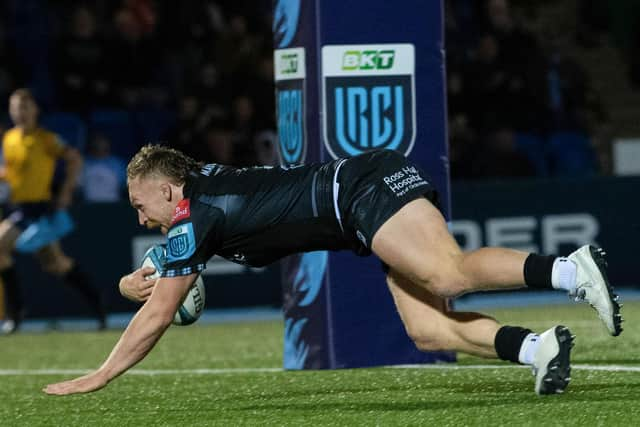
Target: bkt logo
(289,63)
(291,126)
(368,99)
(368,60)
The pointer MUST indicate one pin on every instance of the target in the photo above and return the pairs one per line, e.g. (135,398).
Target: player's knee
(56,267)
(429,338)
(6,260)
(448,284)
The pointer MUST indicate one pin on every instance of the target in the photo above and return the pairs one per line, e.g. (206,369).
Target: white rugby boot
(593,286)
(551,362)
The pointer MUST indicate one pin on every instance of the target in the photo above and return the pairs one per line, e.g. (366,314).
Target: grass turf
(500,395)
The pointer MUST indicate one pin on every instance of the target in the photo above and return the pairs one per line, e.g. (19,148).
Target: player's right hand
(136,286)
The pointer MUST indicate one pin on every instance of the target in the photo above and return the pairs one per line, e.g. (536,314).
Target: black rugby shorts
(372,187)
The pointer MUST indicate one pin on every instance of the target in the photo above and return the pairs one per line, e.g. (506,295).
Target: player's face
(149,199)
(23,111)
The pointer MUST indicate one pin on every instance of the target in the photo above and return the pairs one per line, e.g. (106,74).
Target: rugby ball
(193,303)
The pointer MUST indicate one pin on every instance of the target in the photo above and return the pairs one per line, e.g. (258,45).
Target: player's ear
(166,191)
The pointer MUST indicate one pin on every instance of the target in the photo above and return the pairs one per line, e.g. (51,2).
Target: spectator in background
(518,47)
(29,173)
(104,175)
(187,134)
(214,94)
(219,144)
(243,122)
(522,57)
(260,87)
(498,157)
(81,65)
(489,82)
(236,51)
(136,61)
(12,70)
(567,90)
(462,148)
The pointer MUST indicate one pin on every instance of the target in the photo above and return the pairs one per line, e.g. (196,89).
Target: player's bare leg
(15,312)
(432,327)
(416,243)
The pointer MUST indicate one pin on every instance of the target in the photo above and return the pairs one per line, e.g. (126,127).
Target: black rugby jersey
(253,216)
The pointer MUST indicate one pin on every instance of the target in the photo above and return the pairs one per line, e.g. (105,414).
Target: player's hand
(135,286)
(85,384)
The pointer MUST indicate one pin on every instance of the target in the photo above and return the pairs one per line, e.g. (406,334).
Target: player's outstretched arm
(145,329)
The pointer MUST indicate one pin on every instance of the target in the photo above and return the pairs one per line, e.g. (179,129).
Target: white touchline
(205,371)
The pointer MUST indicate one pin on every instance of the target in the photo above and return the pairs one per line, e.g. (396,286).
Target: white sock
(528,349)
(563,274)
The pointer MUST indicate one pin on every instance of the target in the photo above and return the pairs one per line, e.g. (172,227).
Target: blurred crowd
(519,105)
(203,72)
(204,66)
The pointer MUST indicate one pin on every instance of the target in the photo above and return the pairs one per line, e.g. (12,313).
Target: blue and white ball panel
(193,303)
(155,257)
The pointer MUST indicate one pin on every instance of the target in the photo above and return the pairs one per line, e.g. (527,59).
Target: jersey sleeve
(55,145)
(192,239)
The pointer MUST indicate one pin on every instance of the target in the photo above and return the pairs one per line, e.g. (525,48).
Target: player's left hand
(85,384)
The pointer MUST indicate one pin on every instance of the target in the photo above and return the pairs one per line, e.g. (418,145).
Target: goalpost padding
(352,76)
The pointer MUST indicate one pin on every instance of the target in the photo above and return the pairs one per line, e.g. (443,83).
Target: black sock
(12,296)
(537,271)
(78,280)
(508,342)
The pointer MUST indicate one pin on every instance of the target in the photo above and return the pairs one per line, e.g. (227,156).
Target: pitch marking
(204,371)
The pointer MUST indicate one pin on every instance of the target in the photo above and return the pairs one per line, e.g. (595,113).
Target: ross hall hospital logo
(368,98)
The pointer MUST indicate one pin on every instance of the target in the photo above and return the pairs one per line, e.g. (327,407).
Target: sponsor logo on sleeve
(182,211)
(181,242)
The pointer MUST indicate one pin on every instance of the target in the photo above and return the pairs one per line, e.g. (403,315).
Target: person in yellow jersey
(36,218)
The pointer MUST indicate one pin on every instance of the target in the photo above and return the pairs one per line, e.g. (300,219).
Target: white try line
(231,371)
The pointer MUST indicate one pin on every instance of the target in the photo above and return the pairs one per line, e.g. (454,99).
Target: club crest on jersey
(181,242)
(368,98)
(183,210)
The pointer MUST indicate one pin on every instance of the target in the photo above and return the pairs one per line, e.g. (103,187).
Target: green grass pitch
(245,392)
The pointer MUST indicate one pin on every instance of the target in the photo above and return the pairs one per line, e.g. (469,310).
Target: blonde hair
(156,160)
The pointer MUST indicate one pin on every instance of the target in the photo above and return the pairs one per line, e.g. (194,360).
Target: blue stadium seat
(69,126)
(534,148)
(119,127)
(571,154)
(153,125)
